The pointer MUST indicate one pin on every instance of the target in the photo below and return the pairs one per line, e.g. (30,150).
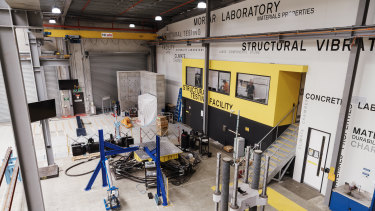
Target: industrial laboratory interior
(187,105)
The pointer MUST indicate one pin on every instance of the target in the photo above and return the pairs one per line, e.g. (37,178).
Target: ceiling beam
(24,4)
(131,7)
(65,10)
(146,22)
(99,34)
(195,12)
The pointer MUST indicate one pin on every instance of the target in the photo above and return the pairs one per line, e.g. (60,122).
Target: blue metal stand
(81,131)
(373,202)
(155,155)
(101,165)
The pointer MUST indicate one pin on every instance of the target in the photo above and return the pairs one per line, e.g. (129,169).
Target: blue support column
(101,165)
(102,157)
(158,173)
(373,202)
(160,188)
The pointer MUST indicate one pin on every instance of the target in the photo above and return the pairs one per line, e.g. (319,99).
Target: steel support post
(19,112)
(265,179)
(206,68)
(153,67)
(234,205)
(346,97)
(257,165)
(41,89)
(217,191)
(247,162)
(256,174)
(225,184)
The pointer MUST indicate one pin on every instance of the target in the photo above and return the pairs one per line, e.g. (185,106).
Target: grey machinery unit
(247,197)
(239,147)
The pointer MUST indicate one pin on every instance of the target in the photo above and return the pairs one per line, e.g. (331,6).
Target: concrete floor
(67,193)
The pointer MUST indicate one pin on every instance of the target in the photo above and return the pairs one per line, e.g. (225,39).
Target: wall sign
(107,35)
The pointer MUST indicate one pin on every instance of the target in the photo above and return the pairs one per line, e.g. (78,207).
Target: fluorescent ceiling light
(52,21)
(131,25)
(158,18)
(202,5)
(56,10)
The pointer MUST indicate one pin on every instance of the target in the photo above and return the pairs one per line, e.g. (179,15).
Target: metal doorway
(315,158)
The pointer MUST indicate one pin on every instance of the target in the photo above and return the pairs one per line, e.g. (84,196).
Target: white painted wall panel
(326,72)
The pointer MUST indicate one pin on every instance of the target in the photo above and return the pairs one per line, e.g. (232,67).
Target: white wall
(326,68)
(80,64)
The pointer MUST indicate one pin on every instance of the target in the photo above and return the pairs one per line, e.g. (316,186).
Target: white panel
(282,15)
(30,88)
(29,82)
(53,92)
(4,109)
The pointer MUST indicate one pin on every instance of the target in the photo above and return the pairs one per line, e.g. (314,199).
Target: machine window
(194,76)
(219,81)
(253,87)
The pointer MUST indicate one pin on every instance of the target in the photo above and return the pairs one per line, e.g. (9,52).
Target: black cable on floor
(77,164)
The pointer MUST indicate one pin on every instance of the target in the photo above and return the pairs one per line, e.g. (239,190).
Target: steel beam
(206,67)
(346,98)
(19,112)
(153,59)
(54,62)
(42,94)
(139,21)
(321,33)
(98,34)
(67,4)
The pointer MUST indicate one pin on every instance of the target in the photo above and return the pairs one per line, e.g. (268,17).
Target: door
(187,112)
(104,67)
(193,114)
(78,103)
(315,158)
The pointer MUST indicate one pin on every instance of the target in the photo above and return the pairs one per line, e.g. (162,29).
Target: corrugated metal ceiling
(122,8)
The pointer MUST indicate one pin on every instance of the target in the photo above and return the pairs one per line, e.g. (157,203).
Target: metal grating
(166,148)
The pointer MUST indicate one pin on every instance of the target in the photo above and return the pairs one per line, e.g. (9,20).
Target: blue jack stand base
(161,197)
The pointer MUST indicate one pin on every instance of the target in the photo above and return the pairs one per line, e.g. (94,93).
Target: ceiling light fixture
(158,18)
(131,25)
(52,21)
(56,10)
(202,5)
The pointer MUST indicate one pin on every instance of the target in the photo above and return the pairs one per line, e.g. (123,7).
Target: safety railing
(276,157)
(259,144)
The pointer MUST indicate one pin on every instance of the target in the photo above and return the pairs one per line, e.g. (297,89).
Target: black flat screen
(67,84)
(42,110)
